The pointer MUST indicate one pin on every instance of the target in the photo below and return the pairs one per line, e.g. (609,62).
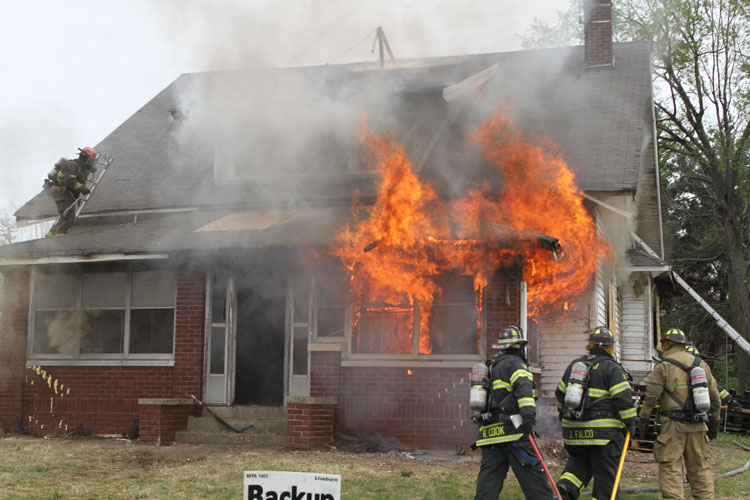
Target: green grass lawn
(39,469)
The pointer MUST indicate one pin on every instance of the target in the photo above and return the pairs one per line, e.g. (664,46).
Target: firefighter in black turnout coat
(503,444)
(594,429)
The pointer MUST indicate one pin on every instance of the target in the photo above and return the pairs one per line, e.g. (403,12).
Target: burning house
(338,245)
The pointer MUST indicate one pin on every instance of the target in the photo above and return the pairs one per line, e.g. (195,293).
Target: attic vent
(176,114)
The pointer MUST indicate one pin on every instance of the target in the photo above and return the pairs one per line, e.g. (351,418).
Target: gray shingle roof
(207,231)
(600,120)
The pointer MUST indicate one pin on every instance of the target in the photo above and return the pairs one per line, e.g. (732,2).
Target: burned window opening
(452,326)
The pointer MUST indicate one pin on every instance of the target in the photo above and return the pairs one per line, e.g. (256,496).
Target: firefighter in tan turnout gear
(595,404)
(685,389)
(506,425)
(66,183)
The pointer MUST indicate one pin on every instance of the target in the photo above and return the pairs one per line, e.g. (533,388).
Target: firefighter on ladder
(685,418)
(67,182)
(595,405)
(505,444)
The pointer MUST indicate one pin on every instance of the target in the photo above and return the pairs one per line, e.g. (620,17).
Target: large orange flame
(396,248)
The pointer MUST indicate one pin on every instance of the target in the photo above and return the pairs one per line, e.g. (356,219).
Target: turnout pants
(526,466)
(63,199)
(585,462)
(672,445)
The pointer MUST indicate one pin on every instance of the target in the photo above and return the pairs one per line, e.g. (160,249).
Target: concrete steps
(268,427)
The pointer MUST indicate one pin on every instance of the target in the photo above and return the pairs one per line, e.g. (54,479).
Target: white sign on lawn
(273,485)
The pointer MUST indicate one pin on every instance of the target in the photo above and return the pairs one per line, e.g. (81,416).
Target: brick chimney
(597,33)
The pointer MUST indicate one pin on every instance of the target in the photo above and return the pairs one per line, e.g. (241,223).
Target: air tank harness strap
(679,415)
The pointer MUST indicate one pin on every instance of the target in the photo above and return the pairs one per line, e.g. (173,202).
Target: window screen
(151,331)
(331,304)
(55,290)
(153,289)
(103,290)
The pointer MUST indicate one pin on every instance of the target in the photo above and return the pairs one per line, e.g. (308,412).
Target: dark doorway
(259,370)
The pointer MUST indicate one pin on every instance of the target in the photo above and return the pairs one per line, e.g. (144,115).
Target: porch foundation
(309,422)
(160,418)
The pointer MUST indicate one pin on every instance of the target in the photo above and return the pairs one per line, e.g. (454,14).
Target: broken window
(452,326)
(107,310)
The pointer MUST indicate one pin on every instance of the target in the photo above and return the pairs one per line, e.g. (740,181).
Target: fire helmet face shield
(601,335)
(675,335)
(509,336)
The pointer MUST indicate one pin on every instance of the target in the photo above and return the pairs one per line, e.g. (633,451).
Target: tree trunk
(739,303)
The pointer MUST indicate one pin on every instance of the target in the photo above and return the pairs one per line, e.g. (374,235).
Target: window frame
(414,354)
(123,358)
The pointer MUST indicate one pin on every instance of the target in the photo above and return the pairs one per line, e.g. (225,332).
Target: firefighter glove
(713,429)
(630,426)
(527,426)
(84,190)
(642,426)
(735,405)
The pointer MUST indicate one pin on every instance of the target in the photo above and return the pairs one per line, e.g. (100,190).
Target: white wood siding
(559,343)
(637,330)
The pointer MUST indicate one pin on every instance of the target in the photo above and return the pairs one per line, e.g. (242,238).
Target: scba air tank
(579,374)
(479,388)
(699,383)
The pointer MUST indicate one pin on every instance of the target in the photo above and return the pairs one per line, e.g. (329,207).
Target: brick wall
(13,328)
(324,373)
(104,399)
(427,409)
(310,422)
(190,325)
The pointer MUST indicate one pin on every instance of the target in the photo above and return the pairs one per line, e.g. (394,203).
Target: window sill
(30,363)
(412,363)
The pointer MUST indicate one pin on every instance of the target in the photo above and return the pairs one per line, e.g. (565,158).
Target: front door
(299,311)
(260,338)
(220,338)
